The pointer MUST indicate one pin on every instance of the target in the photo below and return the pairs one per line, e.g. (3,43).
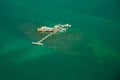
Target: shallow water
(88,50)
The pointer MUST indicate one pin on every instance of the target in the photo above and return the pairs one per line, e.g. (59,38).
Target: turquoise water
(89,50)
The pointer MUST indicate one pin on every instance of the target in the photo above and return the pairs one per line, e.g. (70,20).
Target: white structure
(56,28)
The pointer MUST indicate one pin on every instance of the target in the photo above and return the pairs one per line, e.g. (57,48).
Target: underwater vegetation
(82,42)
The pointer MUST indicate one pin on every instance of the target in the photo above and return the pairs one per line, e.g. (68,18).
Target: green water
(89,50)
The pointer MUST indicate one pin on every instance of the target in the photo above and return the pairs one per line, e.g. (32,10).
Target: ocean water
(89,50)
